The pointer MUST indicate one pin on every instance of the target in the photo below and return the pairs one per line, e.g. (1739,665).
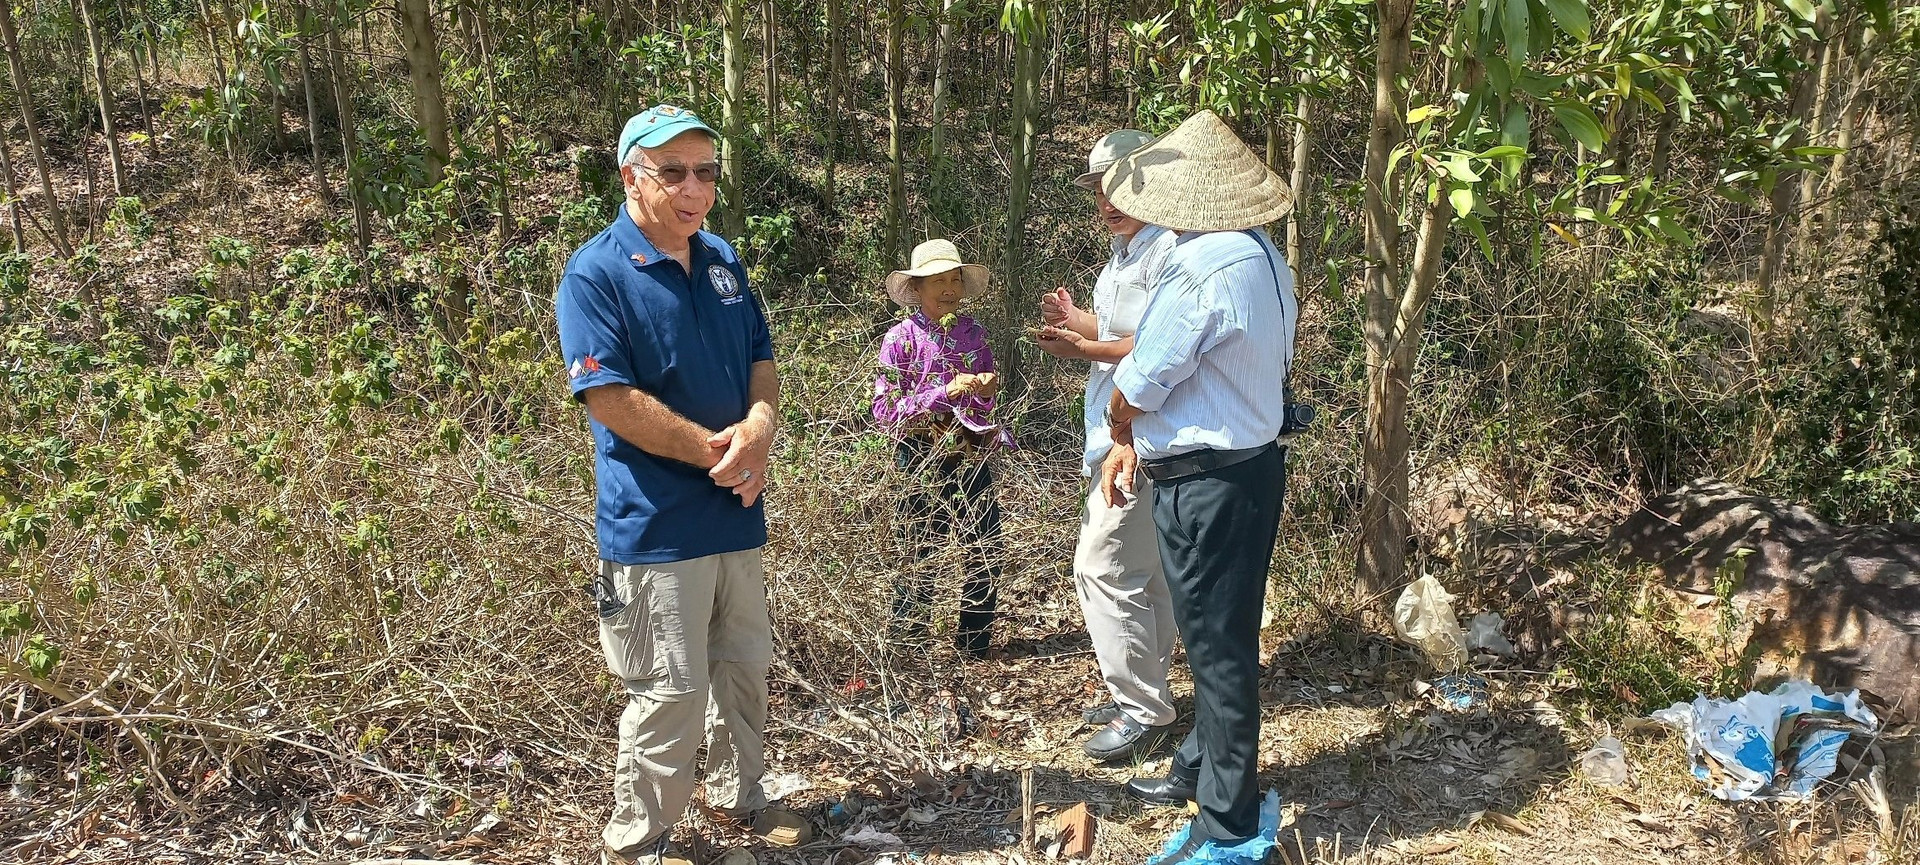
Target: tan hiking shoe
(661,852)
(781,828)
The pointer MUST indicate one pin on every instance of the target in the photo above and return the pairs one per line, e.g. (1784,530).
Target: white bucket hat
(1106,152)
(934,256)
(1199,177)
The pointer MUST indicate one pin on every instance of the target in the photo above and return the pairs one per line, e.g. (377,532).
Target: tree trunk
(349,141)
(693,68)
(1103,55)
(1382,560)
(836,73)
(423,67)
(1025,98)
(153,40)
(103,90)
(896,178)
(14,223)
(1300,182)
(146,109)
(1782,202)
(732,123)
(213,44)
(936,141)
(23,93)
(313,104)
(1850,107)
(770,33)
(1663,140)
(1818,133)
(503,187)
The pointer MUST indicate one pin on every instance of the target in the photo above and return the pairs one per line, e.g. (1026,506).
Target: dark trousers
(949,496)
(1217,531)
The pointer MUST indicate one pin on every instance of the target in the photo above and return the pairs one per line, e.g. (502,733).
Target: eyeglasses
(674,174)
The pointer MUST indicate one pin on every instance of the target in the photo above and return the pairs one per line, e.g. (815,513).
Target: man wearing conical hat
(1197,408)
(1116,563)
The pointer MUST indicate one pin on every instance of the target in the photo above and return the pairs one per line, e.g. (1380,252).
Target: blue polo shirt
(630,314)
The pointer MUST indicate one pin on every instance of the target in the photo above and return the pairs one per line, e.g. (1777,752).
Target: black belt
(1198,462)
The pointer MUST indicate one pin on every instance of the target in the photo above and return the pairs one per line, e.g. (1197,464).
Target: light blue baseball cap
(656,126)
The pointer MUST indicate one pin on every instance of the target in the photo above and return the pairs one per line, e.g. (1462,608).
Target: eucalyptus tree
(1025,21)
(103,90)
(423,67)
(895,66)
(56,228)
(733,129)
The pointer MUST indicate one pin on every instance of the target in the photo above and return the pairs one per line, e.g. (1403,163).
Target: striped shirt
(1120,297)
(1210,361)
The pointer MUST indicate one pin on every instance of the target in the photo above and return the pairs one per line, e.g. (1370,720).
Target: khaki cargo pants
(692,645)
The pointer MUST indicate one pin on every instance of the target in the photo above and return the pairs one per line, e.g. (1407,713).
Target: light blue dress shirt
(1210,361)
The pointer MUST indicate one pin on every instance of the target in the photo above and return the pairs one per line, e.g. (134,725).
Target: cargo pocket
(626,637)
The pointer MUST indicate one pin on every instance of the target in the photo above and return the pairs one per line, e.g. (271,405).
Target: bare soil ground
(1367,773)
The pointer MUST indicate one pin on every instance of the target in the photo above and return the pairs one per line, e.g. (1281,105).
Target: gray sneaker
(1124,737)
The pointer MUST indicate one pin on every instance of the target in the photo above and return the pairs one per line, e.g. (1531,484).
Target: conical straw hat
(1199,177)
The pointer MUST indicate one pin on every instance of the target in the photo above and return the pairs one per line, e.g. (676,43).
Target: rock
(738,856)
(1836,605)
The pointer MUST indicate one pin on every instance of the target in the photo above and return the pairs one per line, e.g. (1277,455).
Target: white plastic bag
(1736,745)
(1424,617)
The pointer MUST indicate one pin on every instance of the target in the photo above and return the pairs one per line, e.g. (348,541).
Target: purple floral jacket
(918,358)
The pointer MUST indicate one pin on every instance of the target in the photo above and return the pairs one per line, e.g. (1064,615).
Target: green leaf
(1671,227)
(1571,15)
(1815,150)
(1804,9)
(1459,168)
(41,657)
(1515,28)
(1479,230)
(1501,151)
(1462,199)
(1581,124)
(1422,112)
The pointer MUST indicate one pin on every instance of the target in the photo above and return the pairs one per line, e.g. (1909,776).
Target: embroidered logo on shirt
(590,364)
(575,371)
(638,258)
(724,283)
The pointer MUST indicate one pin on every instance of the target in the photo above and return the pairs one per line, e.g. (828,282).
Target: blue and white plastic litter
(1251,851)
(1739,747)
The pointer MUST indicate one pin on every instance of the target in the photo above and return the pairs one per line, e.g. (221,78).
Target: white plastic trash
(1736,746)
(1424,617)
(1606,763)
(1488,631)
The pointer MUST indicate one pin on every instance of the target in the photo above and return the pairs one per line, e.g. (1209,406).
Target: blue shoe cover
(1249,852)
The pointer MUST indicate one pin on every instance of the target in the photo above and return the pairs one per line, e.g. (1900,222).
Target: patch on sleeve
(582,367)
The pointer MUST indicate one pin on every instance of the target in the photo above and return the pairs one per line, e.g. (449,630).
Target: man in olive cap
(667,347)
(1116,564)
(1197,408)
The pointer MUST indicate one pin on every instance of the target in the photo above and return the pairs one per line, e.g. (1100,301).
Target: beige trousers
(692,646)
(1124,598)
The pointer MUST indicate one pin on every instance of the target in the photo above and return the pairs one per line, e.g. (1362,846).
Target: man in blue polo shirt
(669,351)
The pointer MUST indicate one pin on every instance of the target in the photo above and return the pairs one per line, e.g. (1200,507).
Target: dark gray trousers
(1217,531)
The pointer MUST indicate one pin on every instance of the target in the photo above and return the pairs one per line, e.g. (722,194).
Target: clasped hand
(741,454)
